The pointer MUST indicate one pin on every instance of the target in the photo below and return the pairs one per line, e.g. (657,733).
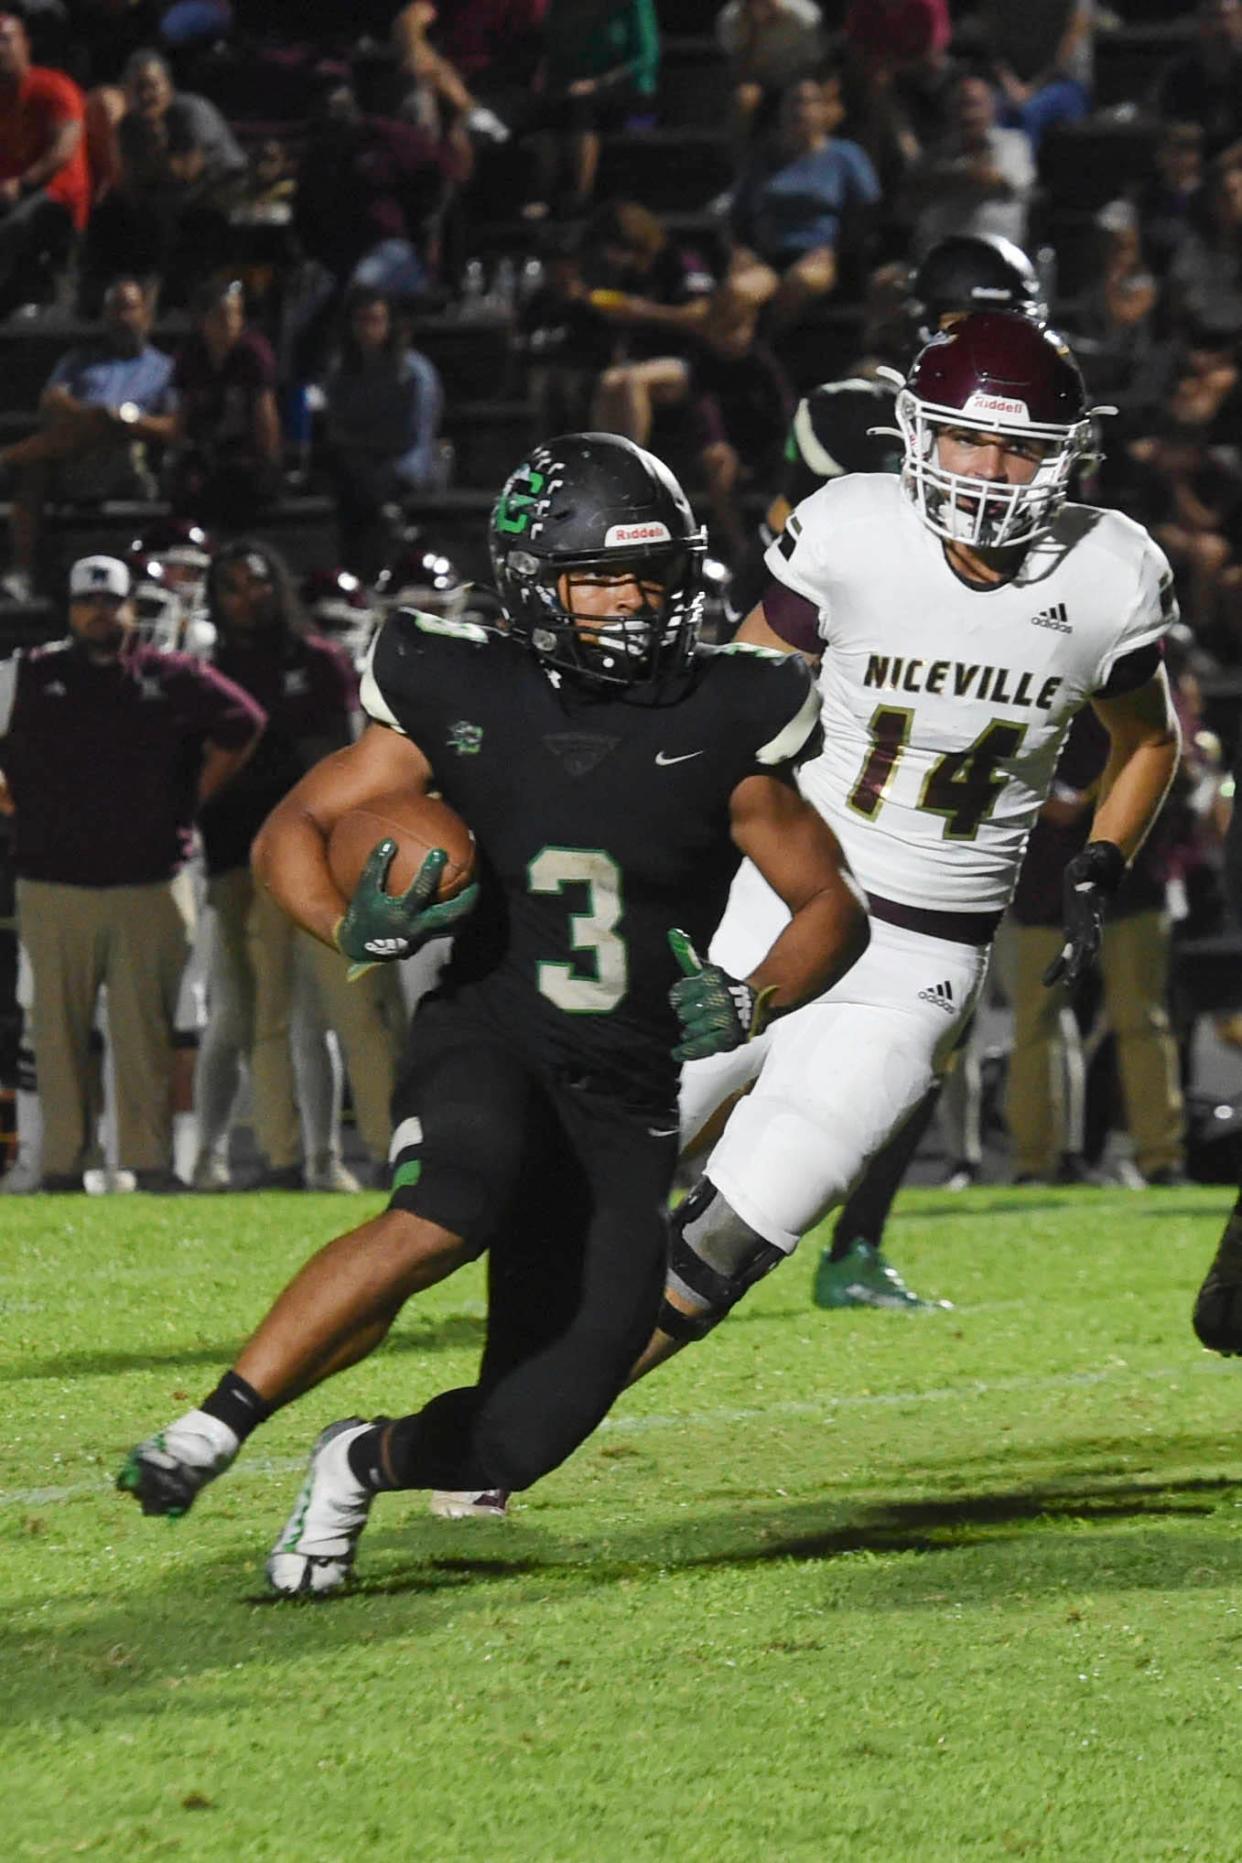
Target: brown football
(417,823)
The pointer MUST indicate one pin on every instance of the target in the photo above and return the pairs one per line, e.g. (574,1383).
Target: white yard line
(261,1468)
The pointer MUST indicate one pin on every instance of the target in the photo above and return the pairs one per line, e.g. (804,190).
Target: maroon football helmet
(993,372)
(340,606)
(422,577)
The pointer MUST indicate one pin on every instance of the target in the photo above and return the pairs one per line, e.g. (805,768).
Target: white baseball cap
(99,575)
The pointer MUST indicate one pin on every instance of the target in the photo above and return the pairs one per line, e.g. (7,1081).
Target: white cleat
(469,1503)
(166,1472)
(315,1551)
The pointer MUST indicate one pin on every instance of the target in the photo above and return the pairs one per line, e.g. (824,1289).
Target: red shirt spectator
(898,32)
(38,108)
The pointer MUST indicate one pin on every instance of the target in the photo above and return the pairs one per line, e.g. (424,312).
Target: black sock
(238,1404)
(365,1459)
(843,1240)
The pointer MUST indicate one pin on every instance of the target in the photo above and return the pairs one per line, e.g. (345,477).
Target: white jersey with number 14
(944,706)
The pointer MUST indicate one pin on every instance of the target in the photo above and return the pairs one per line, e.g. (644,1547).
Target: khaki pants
(1134,965)
(135,941)
(259,955)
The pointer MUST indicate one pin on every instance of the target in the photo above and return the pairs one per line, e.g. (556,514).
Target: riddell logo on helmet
(636,533)
(997,404)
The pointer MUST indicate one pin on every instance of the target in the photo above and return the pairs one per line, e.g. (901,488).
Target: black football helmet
(968,273)
(596,503)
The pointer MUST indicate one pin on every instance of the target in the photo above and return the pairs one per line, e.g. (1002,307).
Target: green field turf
(856,1585)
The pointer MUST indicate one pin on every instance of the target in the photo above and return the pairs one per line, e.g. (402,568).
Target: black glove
(1090,880)
(717,1012)
(380,926)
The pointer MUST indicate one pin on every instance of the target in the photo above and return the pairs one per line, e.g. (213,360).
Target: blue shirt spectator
(383,403)
(797,199)
(98,376)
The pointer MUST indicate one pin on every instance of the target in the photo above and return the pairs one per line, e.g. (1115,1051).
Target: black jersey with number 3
(600,824)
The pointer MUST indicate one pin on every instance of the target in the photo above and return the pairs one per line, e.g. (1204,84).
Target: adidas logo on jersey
(941,994)
(1054,617)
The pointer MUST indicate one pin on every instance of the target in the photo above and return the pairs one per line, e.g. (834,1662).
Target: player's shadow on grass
(456,1331)
(1053,1539)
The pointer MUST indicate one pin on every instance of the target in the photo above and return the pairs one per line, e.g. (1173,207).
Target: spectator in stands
(227,431)
(1043,60)
(178,164)
(373,189)
(495,46)
(897,63)
(1205,278)
(383,403)
(1166,199)
(733,386)
(770,44)
(309,690)
(44,184)
(978,180)
(105,402)
(1204,85)
(109,748)
(1114,326)
(600,66)
(1189,489)
(795,205)
(433,92)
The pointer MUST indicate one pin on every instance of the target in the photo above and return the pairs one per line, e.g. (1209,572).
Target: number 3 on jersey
(962,787)
(592,932)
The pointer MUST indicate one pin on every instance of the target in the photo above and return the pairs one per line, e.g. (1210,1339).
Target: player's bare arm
(1145,746)
(801,860)
(290,856)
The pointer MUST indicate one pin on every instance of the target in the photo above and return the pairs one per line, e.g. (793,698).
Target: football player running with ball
(614,772)
(960,615)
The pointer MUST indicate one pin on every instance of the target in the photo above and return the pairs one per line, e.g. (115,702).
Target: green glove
(380,926)
(717,1012)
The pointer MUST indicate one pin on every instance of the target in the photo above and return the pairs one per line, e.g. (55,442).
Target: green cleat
(862,1278)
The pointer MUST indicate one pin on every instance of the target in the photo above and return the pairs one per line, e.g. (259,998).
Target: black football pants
(567,1190)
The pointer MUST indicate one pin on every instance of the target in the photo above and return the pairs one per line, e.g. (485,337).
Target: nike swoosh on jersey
(684,758)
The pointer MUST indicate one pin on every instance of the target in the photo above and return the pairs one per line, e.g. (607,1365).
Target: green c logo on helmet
(514,505)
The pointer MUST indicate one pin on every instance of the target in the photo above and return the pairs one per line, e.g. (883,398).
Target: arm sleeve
(220,710)
(1152,612)
(792,617)
(798,557)
(797,724)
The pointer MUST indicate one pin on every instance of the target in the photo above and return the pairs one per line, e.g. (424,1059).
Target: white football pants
(834,1080)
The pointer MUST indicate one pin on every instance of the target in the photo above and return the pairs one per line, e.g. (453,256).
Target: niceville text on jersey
(600,825)
(944,705)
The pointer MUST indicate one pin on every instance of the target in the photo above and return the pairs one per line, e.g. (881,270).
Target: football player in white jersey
(960,614)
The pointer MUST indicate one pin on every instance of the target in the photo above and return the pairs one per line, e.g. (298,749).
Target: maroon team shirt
(103,761)
(218,403)
(308,691)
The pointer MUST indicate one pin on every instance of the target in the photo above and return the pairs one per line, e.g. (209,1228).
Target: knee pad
(714,1257)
